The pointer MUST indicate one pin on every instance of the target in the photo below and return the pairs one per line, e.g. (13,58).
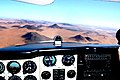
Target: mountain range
(20,31)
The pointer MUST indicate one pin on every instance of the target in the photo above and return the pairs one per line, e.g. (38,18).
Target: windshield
(83,21)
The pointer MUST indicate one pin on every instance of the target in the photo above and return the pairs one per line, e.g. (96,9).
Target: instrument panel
(69,62)
(40,68)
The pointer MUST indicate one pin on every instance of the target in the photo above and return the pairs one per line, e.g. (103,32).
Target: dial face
(71,74)
(46,75)
(49,60)
(13,67)
(68,60)
(29,67)
(2,67)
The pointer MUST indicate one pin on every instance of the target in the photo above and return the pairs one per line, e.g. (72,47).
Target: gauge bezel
(65,63)
(52,63)
(3,68)
(30,70)
(45,75)
(12,71)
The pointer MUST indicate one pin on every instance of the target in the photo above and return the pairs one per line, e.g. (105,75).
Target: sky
(87,12)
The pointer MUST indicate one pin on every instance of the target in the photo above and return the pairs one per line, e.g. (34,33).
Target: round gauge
(2,67)
(30,77)
(14,78)
(29,67)
(46,75)
(68,60)
(13,67)
(71,74)
(49,60)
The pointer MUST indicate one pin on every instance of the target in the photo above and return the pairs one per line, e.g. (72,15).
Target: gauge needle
(28,68)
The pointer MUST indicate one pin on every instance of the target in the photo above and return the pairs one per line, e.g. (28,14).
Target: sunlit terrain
(18,32)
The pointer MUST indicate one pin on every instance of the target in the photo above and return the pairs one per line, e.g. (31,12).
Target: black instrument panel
(76,62)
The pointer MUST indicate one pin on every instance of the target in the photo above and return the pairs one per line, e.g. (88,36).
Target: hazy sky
(90,12)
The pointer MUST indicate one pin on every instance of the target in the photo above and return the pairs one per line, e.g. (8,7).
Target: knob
(71,74)
(46,75)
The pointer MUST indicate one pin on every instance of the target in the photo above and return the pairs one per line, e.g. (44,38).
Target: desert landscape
(19,31)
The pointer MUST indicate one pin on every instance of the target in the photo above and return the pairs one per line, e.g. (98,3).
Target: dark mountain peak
(17,26)
(67,24)
(3,27)
(54,26)
(34,37)
(78,38)
(89,39)
(82,38)
(28,26)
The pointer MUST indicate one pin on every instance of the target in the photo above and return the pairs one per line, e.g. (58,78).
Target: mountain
(54,26)
(29,27)
(72,27)
(3,27)
(82,38)
(89,39)
(31,37)
(67,24)
(78,38)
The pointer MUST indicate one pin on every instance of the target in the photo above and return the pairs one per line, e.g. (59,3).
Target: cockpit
(59,40)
